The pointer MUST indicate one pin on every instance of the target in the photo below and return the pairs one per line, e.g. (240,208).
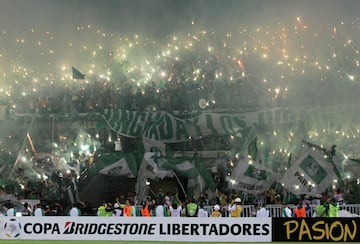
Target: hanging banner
(174,127)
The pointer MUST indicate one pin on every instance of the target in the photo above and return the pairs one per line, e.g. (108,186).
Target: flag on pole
(204,173)
(310,174)
(157,165)
(250,174)
(115,164)
(251,177)
(145,149)
(77,74)
(330,155)
(119,168)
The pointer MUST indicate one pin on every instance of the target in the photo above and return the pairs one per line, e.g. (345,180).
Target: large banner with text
(170,229)
(316,229)
(137,228)
(174,127)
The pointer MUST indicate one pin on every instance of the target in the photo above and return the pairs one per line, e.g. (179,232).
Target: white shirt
(202,213)
(159,211)
(11,212)
(39,212)
(262,212)
(175,212)
(74,212)
(286,212)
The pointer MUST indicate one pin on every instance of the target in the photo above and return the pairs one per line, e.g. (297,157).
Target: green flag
(115,164)
(204,172)
(77,74)
(253,150)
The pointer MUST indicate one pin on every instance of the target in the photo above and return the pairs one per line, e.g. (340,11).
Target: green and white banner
(250,174)
(173,127)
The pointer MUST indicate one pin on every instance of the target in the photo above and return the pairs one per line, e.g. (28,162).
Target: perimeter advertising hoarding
(316,229)
(138,228)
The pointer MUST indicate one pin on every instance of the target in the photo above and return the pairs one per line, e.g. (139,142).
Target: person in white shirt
(117,210)
(74,211)
(161,210)
(286,211)
(175,210)
(262,211)
(38,210)
(11,211)
(202,212)
(175,207)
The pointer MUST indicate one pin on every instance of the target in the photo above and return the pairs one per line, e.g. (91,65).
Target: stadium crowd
(169,205)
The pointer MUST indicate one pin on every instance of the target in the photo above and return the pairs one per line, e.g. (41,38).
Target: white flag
(251,177)
(310,174)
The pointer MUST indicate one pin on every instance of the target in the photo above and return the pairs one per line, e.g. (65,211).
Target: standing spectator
(145,210)
(27,210)
(101,211)
(339,196)
(278,199)
(167,198)
(300,210)
(175,208)
(235,209)
(262,211)
(161,209)
(128,209)
(117,209)
(109,209)
(74,211)
(320,210)
(286,211)
(307,203)
(39,211)
(216,212)
(191,209)
(202,212)
(11,210)
(334,208)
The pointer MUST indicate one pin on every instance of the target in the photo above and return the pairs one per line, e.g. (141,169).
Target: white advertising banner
(137,229)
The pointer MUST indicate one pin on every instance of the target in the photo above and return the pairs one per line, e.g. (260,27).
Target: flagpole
(179,182)
(22,147)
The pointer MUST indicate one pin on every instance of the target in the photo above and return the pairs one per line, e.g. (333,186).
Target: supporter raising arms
(175,207)
(235,208)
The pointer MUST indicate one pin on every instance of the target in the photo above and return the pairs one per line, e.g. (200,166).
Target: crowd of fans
(174,95)
(167,205)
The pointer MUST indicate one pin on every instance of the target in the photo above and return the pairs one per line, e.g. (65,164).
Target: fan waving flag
(310,174)
(251,175)
(77,74)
